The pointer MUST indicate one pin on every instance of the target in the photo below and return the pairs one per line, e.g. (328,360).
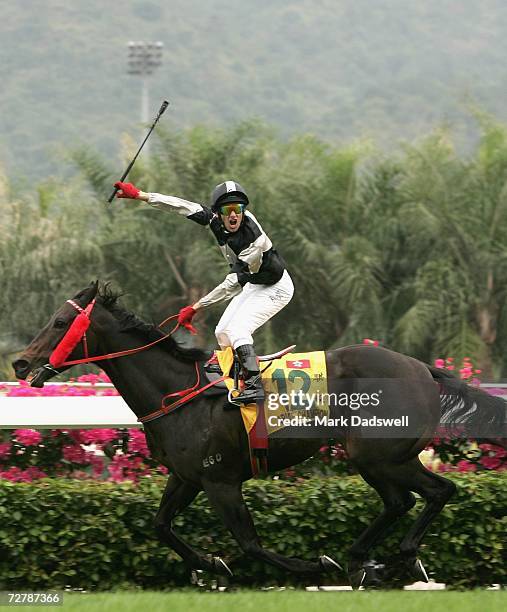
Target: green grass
(290,601)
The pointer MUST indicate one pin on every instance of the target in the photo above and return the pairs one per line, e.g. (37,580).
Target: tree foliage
(409,248)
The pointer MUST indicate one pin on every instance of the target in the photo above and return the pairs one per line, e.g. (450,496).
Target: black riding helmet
(228,192)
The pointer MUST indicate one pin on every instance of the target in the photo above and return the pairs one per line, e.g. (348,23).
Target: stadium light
(143,59)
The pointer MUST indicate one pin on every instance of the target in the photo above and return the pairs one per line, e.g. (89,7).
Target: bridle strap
(184,395)
(190,394)
(87,312)
(128,351)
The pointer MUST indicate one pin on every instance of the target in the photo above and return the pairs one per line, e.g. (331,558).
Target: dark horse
(185,438)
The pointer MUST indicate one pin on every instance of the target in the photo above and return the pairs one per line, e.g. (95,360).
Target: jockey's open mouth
(233,221)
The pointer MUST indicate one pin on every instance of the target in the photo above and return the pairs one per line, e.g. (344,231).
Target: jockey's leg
(259,304)
(223,325)
(221,333)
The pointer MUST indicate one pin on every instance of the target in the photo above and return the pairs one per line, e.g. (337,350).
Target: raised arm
(192,210)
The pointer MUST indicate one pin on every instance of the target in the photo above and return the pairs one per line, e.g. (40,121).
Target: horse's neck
(144,378)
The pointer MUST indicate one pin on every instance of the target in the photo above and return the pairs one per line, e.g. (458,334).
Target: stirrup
(254,388)
(253,400)
(232,399)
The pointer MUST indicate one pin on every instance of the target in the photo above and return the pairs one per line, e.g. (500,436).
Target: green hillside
(339,68)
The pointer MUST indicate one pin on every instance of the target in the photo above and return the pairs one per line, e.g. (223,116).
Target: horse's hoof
(329,565)
(369,575)
(418,572)
(373,577)
(196,578)
(356,578)
(221,567)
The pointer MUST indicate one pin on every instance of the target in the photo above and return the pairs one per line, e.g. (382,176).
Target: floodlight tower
(144,58)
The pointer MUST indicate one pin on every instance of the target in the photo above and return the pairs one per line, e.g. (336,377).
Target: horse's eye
(60,323)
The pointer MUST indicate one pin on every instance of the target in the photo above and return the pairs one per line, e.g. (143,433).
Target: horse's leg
(397,502)
(436,491)
(227,500)
(177,496)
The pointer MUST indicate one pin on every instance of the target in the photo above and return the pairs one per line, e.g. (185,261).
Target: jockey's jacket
(248,251)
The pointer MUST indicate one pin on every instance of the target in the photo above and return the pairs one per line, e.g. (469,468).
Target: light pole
(144,58)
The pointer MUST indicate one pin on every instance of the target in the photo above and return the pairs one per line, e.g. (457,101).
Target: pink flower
(5,450)
(77,435)
(16,474)
(491,463)
(439,363)
(137,442)
(27,437)
(74,454)
(123,468)
(99,436)
(34,473)
(97,464)
(465,466)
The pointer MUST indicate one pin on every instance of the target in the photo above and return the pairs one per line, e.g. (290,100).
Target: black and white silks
(248,251)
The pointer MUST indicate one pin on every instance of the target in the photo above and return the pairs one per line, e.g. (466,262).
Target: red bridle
(77,333)
(73,336)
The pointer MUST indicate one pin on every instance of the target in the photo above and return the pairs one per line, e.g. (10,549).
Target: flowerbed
(107,454)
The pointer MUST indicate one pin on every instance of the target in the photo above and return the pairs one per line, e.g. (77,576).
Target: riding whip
(164,105)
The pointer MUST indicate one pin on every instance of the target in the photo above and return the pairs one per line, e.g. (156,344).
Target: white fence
(65,412)
(81,412)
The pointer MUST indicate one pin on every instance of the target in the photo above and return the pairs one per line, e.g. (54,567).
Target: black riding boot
(253,391)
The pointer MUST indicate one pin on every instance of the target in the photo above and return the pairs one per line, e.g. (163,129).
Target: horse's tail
(468,411)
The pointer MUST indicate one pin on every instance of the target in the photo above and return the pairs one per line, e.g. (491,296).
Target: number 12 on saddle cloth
(295,385)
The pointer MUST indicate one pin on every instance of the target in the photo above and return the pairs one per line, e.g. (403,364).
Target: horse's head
(36,357)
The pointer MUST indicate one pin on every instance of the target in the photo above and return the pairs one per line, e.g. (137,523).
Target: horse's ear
(94,285)
(86,296)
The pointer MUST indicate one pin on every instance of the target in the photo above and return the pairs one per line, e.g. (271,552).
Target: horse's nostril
(21,366)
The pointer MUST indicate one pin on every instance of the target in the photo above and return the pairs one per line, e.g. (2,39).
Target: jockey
(258,282)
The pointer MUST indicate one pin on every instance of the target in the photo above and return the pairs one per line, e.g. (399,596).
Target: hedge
(98,536)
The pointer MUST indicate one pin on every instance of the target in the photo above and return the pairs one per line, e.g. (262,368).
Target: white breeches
(246,312)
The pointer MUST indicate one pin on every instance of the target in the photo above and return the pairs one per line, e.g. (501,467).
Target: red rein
(77,332)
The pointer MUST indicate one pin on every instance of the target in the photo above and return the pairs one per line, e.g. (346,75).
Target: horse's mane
(149,332)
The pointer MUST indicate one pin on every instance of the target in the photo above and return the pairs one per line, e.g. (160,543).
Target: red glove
(127,190)
(185,317)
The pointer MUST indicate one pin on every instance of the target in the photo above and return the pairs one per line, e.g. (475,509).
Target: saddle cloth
(295,385)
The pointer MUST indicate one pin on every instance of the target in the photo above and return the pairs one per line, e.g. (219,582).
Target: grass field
(290,601)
